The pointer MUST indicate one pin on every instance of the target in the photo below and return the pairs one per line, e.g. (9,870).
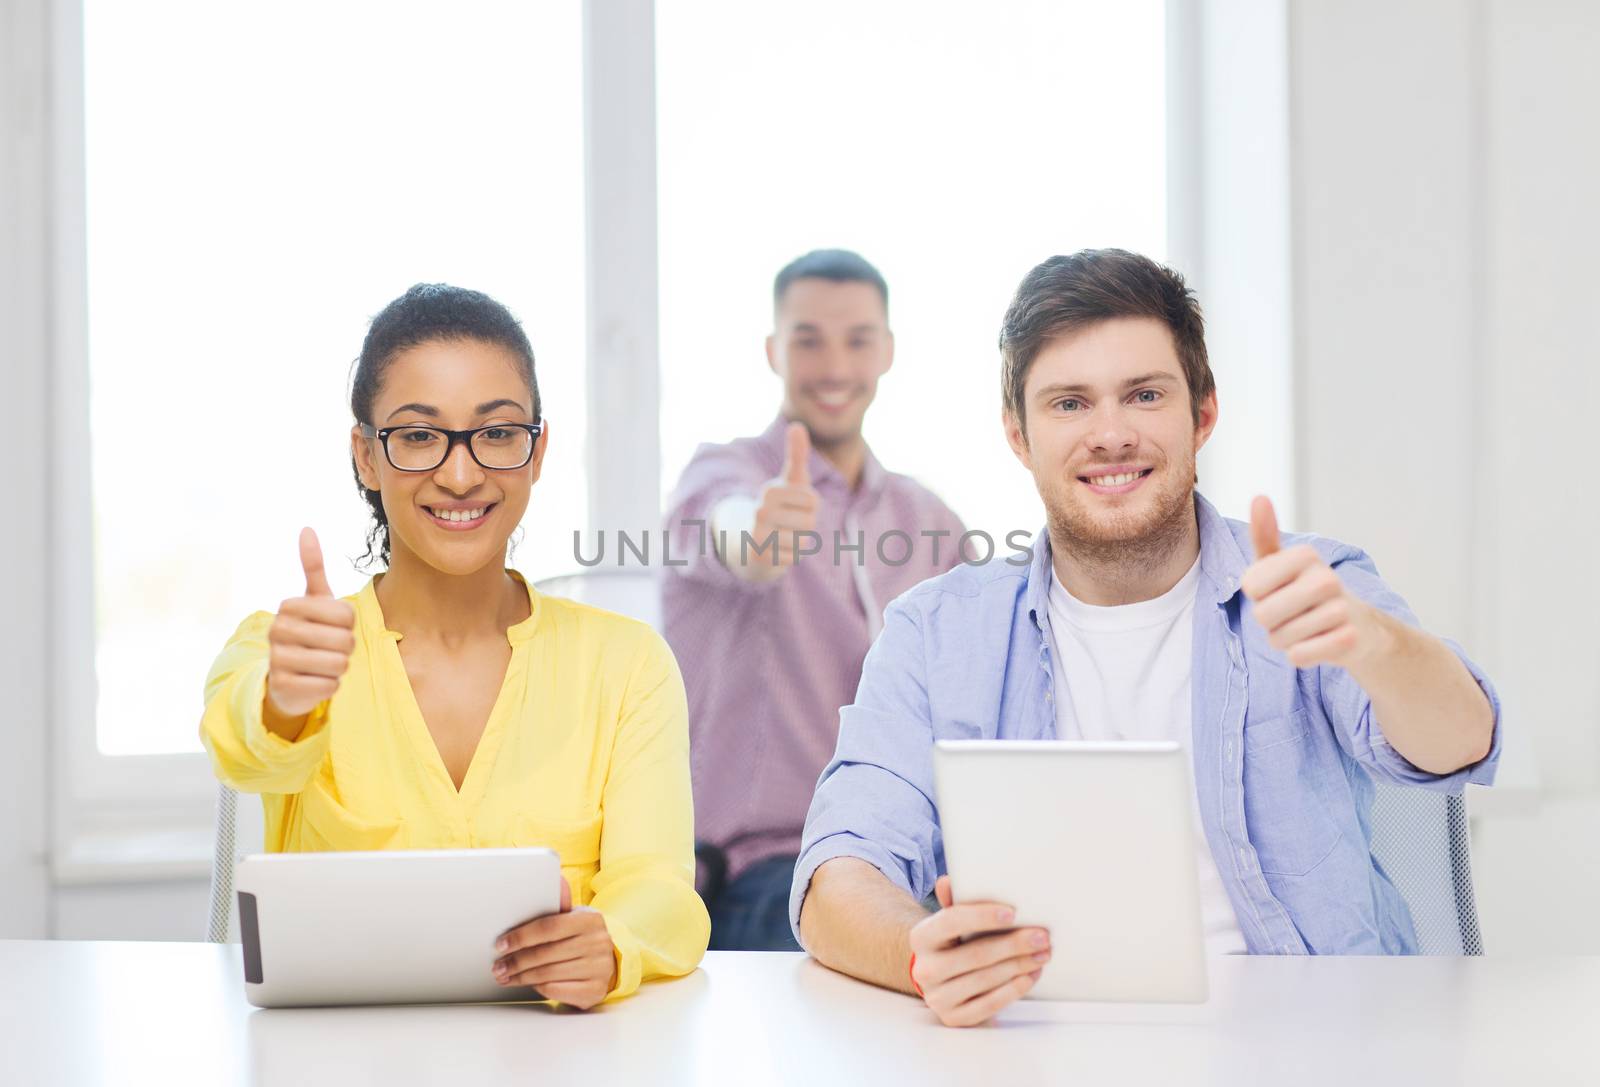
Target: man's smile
(1117,479)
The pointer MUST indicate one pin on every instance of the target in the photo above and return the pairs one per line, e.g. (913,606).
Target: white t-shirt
(1123,673)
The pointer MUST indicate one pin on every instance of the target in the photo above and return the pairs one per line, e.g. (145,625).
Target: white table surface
(115,1013)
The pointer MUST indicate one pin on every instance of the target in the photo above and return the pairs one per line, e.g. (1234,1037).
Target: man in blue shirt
(1288,669)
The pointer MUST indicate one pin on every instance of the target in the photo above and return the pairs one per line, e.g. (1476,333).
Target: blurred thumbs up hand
(787,505)
(1302,603)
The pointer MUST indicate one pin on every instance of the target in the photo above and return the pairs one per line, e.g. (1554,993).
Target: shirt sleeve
(245,754)
(875,798)
(715,473)
(1349,707)
(645,886)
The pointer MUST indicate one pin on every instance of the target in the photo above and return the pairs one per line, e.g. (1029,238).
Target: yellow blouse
(585,752)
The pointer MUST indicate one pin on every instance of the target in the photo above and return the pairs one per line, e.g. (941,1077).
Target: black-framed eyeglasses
(498,447)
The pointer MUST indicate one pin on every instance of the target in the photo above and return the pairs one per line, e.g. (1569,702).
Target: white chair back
(1420,840)
(635,593)
(240,832)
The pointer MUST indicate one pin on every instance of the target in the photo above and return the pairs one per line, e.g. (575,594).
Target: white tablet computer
(1093,841)
(395,927)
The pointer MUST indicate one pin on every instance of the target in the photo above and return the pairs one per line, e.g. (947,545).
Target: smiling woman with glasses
(449,704)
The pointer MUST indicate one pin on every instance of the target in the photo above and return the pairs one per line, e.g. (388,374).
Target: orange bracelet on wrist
(911,971)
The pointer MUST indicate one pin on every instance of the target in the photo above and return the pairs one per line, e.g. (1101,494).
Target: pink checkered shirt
(767,665)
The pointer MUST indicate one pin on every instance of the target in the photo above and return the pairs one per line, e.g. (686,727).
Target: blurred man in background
(796,539)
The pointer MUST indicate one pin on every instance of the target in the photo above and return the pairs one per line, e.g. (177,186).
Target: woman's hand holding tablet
(310,643)
(968,962)
(566,956)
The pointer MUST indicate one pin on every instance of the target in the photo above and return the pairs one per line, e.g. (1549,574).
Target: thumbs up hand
(1309,615)
(309,644)
(311,563)
(788,504)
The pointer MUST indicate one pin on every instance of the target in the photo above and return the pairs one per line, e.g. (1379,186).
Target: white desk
(122,1013)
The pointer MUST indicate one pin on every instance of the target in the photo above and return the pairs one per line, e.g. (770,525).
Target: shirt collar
(1222,562)
(1039,574)
(518,633)
(370,612)
(873,477)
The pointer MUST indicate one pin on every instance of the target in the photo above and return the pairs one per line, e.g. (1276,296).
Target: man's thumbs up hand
(1297,597)
(1263,527)
(797,451)
(787,507)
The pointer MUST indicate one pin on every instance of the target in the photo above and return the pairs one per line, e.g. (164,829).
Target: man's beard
(1127,545)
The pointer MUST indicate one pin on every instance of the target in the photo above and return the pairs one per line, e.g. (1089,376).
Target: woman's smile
(460,518)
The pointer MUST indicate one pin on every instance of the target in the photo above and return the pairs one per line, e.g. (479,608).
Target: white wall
(143,910)
(1445,158)
(1387,259)
(25,542)
(1540,406)
(1540,520)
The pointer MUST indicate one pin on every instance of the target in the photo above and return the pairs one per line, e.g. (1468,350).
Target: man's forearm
(856,921)
(1428,705)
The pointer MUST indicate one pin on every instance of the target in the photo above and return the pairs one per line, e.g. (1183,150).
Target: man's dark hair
(1065,294)
(427,313)
(835,265)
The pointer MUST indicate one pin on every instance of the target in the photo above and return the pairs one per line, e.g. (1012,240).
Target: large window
(260,181)
(954,145)
(258,186)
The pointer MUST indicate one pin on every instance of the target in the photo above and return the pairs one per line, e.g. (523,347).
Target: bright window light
(261,181)
(954,145)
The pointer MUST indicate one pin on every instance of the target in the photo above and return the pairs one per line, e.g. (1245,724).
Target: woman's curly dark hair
(426,313)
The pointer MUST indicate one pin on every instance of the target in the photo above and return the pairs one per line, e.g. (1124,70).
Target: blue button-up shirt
(1284,758)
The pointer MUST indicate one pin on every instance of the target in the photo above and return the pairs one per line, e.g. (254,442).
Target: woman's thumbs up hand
(310,642)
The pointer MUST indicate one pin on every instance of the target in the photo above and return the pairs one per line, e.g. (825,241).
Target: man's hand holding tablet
(968,963)
(566,956)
